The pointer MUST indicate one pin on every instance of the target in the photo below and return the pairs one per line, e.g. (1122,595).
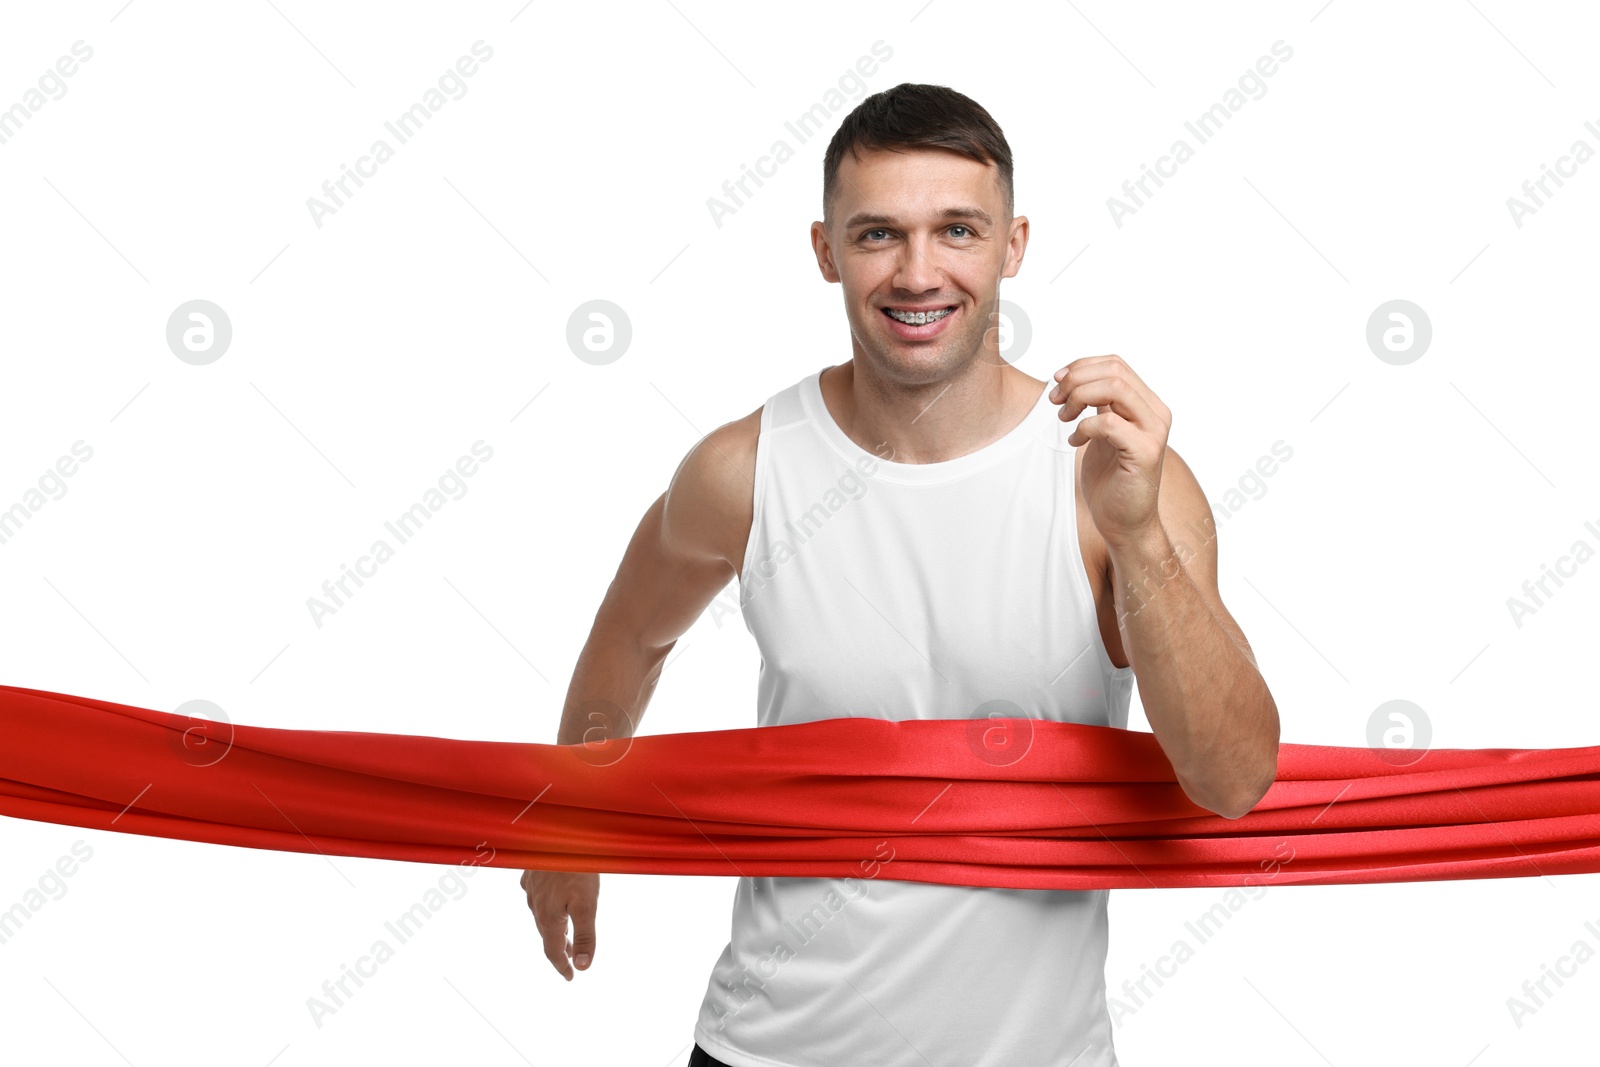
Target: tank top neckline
(881,469)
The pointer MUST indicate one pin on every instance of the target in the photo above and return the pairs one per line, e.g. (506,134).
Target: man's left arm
(1202,692)
(1207,702)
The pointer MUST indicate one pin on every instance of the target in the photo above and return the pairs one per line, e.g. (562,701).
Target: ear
(1016,245)
(824,252)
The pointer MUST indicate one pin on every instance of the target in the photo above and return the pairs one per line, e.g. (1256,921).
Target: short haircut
(918,116)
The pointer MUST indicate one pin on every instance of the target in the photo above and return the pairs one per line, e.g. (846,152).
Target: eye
(959,226)
(869,233)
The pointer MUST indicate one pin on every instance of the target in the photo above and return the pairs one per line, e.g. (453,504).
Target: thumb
(582,939)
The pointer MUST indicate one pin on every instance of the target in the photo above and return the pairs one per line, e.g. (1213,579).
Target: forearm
(1207,703)
(611,686)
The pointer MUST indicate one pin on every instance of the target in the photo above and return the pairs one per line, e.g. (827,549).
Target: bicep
(681,555)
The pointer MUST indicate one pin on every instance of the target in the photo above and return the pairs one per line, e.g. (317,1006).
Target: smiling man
(994,564)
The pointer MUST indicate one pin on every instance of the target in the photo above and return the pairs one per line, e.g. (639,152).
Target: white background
(430,312)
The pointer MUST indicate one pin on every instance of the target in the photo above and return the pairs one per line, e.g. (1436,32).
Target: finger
(552,924)
(583,933)
(1112,393)
(1091,367)
(1117,432)
(1084,361)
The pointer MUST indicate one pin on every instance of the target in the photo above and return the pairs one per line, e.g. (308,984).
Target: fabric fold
(1009,803)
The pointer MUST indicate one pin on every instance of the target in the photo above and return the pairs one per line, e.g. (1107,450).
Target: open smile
(919,324)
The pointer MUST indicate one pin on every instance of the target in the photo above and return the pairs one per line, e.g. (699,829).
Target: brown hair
(918,116)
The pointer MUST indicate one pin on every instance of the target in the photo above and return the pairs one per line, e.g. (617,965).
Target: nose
(916,271)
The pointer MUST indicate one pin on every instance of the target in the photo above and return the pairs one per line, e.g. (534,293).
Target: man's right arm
(685,550)
(688,546)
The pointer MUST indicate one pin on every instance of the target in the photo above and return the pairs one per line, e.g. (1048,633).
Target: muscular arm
(688,546)
(1207,702)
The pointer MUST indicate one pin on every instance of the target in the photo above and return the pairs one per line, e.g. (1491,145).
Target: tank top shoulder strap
(783,408)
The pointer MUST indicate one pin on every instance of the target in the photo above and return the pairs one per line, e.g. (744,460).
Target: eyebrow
(861,218)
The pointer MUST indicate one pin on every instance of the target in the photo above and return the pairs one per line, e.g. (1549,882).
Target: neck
(928,422)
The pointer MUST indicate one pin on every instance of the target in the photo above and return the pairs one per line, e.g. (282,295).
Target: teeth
(918,318)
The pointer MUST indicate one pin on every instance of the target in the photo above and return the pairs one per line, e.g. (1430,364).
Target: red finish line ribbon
(1013,803)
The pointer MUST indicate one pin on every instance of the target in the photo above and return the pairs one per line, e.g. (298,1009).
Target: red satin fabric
(1015,803)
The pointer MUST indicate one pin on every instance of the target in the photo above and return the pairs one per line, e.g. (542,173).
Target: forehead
(915,182)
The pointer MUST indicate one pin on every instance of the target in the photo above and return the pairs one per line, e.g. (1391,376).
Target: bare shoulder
(710,502)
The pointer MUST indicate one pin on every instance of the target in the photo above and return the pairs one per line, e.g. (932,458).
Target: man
(982,562)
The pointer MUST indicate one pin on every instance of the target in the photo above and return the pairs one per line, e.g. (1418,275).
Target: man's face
(920,230)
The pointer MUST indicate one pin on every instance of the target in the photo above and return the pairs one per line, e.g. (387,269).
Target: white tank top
(915,591)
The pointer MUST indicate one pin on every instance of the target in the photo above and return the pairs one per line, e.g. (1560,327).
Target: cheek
(867,275)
